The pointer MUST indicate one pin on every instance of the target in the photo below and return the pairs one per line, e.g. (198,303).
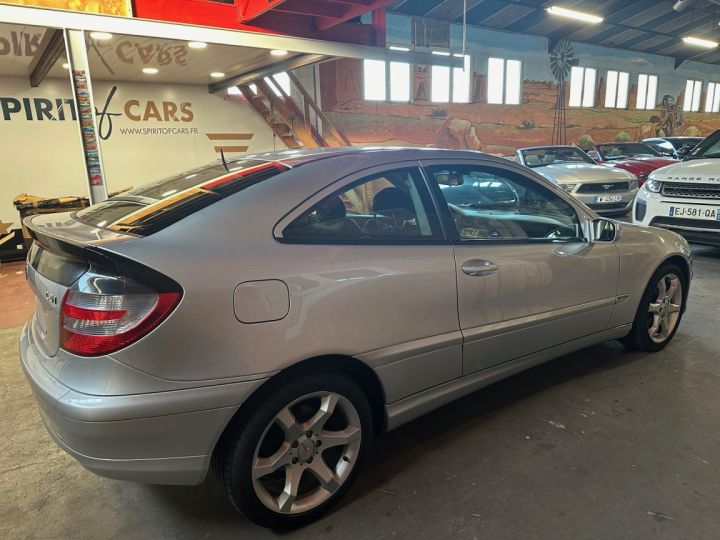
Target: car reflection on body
(605,190)
(636,158)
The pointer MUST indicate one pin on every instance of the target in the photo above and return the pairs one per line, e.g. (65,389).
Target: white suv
(685,196)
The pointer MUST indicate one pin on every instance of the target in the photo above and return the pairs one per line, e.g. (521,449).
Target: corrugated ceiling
(650,26)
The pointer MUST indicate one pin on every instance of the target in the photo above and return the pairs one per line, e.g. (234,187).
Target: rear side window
(150,208)
(392,207)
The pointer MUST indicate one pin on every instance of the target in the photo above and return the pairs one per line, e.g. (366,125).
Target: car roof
(296,157)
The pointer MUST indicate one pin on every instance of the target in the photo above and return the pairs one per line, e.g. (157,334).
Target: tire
(290,442)
(654,305)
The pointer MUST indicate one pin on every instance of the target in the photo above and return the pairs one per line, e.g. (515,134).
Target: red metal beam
(353,2)
(379,22)
(353,10)
(223,15)
(250,9)
(312,7)
(287,23)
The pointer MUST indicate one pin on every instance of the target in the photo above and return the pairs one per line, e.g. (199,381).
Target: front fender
(642,251)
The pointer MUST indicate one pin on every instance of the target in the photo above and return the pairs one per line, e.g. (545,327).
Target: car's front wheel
(660,310)
(298,451)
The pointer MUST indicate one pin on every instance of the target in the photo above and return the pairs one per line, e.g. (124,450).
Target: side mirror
(593,154)
(603,230)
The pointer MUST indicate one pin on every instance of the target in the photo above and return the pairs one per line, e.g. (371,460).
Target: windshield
(679,142)
(553,155)
(478,190)
(625,150)
(709,148)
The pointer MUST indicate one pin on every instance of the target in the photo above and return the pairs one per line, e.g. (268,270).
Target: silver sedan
(606,190)
(269,314)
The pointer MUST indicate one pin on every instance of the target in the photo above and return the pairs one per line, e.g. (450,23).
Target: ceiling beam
(351,11)
(249,9)
(300,60)
(51,47)
(247,77)
(315,8)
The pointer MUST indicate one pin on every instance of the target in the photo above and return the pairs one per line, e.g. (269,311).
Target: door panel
(539,296)
(527,279)
(369,252)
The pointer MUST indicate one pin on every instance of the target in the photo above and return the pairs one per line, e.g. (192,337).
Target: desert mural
(500,129)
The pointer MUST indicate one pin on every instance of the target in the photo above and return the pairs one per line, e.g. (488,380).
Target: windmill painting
(562,59)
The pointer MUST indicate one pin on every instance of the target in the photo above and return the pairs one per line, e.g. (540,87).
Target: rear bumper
(157,438)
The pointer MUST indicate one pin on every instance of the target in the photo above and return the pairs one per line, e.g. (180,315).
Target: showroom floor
(599,444)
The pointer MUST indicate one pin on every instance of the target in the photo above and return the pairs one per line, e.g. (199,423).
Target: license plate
(695,212)
(608,198)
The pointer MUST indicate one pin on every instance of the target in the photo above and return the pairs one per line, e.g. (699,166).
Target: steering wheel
(558,232)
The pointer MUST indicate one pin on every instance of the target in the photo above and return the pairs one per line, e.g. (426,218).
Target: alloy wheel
(306,453)
(664,311)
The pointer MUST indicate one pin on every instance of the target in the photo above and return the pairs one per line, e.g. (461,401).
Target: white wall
(44,157)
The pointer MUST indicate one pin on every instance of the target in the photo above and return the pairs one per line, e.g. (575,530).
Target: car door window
(489,203)
(389,207)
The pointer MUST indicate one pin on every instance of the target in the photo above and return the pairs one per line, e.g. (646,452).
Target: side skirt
(409,408)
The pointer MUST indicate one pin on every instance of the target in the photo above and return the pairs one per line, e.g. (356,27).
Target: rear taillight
(93,323)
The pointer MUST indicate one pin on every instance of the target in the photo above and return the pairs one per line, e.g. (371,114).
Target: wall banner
(103,7)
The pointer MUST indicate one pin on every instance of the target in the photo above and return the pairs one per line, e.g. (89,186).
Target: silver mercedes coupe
(269,315)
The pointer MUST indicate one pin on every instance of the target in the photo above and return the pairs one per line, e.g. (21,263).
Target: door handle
(479,267)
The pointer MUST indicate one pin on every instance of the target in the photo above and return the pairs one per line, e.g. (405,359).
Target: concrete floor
(603,443)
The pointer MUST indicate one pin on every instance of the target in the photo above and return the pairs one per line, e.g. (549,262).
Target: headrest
(392,198)
(331,208)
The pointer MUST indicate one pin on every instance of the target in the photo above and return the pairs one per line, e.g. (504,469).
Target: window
(440,84)
(152,207)
(461,81)
(447,84)
(278,79)
(693,89)
(374,80)
(582,87)
(377,74)
(399,81)
(616,89)
(663,147)
(712,99)
(391,207)
(646,91)
(504,81)
(494,204)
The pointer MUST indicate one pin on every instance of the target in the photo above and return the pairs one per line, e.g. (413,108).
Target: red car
(635,157)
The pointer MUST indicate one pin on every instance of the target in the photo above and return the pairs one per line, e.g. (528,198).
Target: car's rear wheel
(298,451)
(661,308)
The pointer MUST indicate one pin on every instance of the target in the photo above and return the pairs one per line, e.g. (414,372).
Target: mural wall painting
(542,118)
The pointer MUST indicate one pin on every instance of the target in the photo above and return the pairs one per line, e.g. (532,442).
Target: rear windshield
(150,208)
